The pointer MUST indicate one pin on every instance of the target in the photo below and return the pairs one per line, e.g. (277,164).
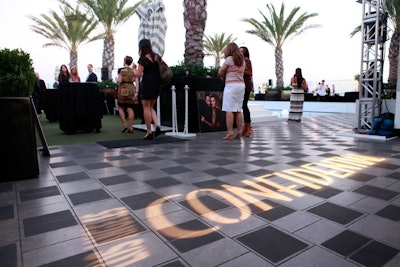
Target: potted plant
(285,93)
(17,115)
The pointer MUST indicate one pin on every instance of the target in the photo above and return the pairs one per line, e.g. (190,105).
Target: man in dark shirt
(92,77)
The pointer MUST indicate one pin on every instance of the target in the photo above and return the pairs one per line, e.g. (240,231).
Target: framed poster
(211,116)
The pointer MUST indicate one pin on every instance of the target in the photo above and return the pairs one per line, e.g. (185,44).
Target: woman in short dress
(127,94)
(232,72)
(299,85)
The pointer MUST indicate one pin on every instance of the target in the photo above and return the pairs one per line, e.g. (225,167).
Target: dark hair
(145,48)
(299,77)
(128,60)
(245,51)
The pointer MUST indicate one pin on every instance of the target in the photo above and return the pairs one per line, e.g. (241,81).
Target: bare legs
(131,116)
(149,115)
(230,116)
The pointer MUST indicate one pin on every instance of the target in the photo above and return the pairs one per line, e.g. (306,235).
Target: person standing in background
(63,76)
(248,82)
(299,85)
(321,91)
(232,72)
(92,77)
(56,84)
(74,75)
(38,93)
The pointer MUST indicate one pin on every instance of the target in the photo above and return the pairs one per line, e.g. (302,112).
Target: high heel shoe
(157,132)
(229,137)
(238,135)
(130,130)
(148,136)
(124,129)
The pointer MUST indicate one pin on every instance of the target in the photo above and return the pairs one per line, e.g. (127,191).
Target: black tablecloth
(79,107)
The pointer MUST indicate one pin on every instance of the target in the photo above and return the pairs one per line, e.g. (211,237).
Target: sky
(326,52)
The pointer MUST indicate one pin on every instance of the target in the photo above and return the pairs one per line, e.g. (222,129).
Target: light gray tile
(296,221)
(369,205)
(320,231)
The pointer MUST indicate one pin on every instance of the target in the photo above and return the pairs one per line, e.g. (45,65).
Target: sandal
(124,129)
(130,130)
(229,137)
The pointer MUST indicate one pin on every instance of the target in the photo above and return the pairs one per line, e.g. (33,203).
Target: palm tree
(393,9)
(215,45)
(194,16)
(110,14)
(69,30)
(276,29)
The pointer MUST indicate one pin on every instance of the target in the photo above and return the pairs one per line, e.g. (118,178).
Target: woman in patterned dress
(299,85)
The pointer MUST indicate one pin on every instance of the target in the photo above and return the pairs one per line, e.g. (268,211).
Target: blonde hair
(232,50)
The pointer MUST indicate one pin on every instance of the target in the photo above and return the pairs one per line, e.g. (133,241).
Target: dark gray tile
(175,263)
(150,159)
(6,187)
(119,179)
(141,201)
(260,206)
(327,192)
(48,222)
(298,163)
(176,170)
(72,177)
(361,177)
(375,254)
(261,155)
(120,157)
(88,196)
(184,238)
(186,160)
(8,255)
(209,204)
(377,192)
(335,213)
(95,166)
(222,162)
(111,229)
(162,182)
(135,168)
(261,162)
(346,242)
(259,172)
(387,166)
(32,194)
(394,175)
(217,172)
(62,164)
(391,212)
(88,258)
(295,155)
(276,213)
(6,212)
(214,183)
(272,243)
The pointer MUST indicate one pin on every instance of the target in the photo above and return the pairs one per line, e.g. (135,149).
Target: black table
(80,107)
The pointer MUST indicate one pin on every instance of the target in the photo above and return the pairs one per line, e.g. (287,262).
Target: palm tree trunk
(194,16)
(73,59)
(278,67)
(393,57)
(108,55)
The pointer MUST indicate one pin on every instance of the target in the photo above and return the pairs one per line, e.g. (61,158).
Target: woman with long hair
(299,85)
(248,82)
(150,85)
(63,76)
(232,72)
(74,75)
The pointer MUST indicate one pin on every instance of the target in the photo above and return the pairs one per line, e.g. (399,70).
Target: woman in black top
(149,86)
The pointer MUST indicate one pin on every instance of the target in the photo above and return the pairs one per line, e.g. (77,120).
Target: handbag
(165,71)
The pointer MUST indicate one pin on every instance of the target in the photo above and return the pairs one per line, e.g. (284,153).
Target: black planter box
(19,153)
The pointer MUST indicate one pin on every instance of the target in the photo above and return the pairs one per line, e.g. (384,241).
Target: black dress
(151,83)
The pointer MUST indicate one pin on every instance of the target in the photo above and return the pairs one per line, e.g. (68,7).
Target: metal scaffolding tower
(374,31)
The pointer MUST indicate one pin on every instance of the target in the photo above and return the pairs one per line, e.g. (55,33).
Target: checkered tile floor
(295,194)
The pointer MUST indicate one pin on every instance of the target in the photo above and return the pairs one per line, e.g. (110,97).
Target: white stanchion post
(186,126)
(158,111)
(174,115)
